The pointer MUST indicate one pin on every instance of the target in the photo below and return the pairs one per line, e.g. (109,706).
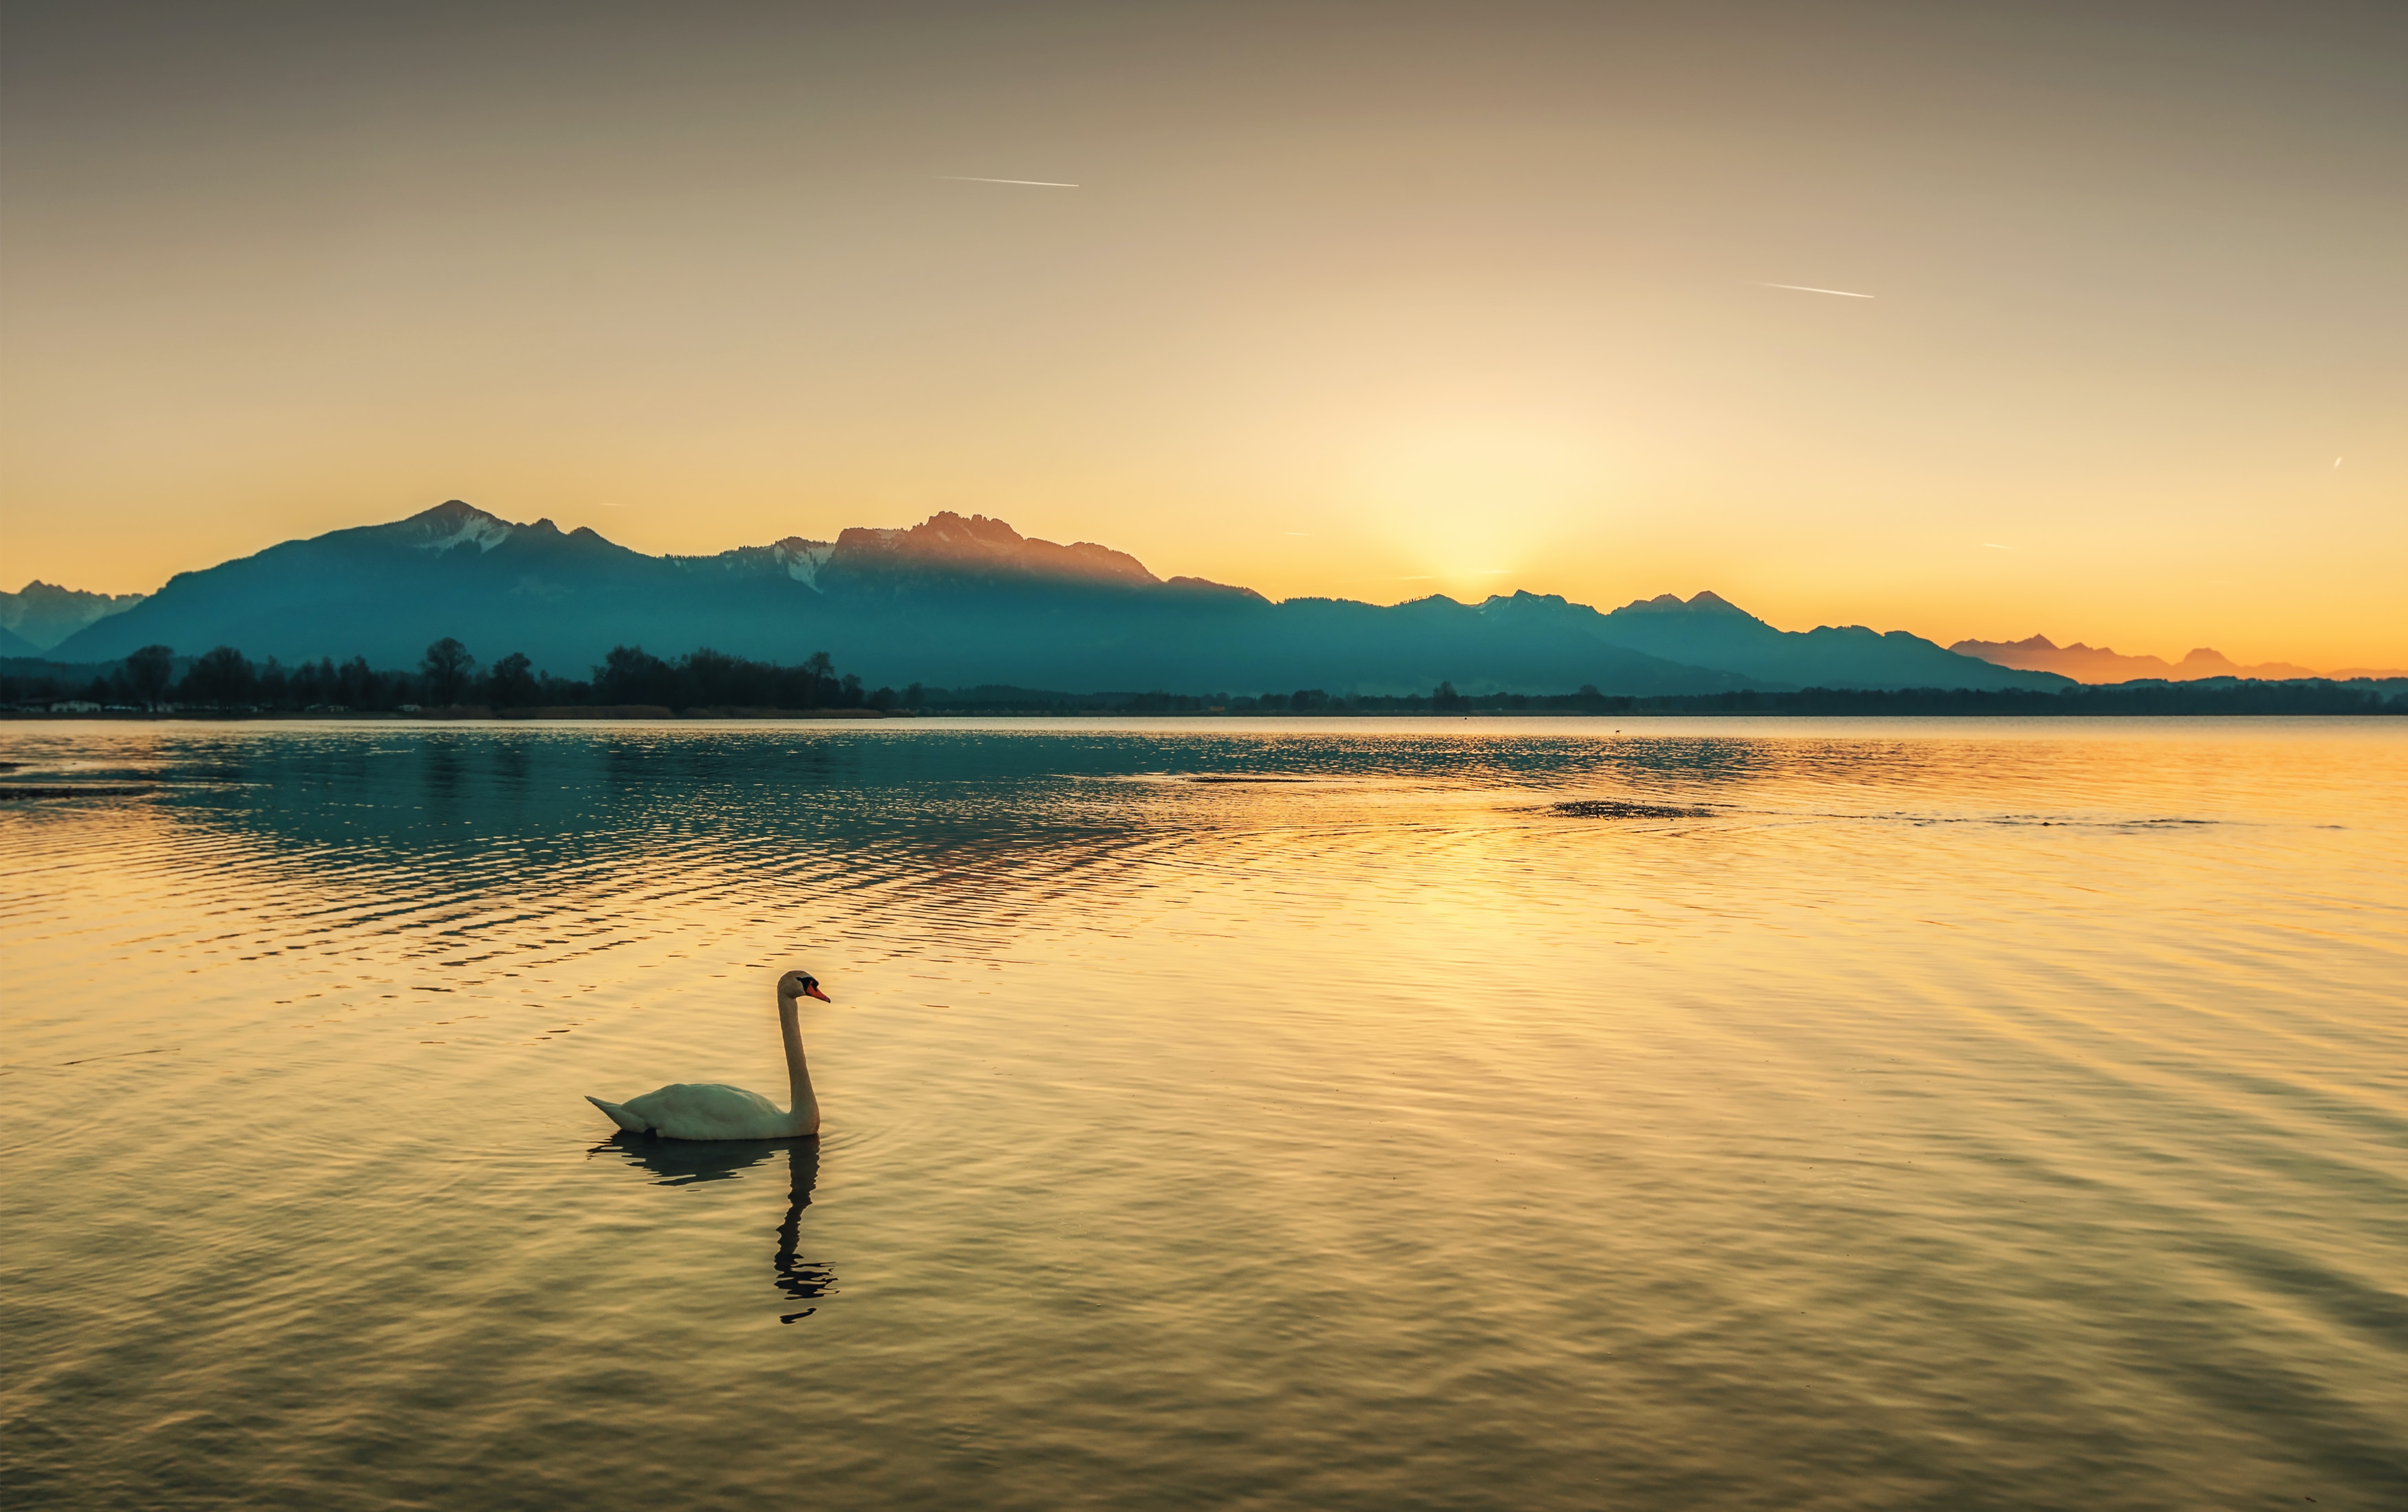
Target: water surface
(1354,1114)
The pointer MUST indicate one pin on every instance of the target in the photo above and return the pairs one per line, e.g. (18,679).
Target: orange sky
(1438,303)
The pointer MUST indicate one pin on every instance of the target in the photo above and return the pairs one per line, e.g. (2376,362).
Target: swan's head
(796,984)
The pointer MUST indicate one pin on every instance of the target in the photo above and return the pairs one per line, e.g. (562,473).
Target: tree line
(2222,696)
(449,676)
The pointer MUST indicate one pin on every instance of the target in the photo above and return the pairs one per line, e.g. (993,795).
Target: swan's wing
(706,1110)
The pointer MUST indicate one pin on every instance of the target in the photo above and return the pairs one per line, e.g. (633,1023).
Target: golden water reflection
(1920,1113)
(674,1163)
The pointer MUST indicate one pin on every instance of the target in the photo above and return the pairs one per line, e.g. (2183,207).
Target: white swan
(692,1110)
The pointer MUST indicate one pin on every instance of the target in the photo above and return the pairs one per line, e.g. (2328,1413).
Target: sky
(1364,300)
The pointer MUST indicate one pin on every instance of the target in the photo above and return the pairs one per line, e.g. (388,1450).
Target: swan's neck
(798,1076)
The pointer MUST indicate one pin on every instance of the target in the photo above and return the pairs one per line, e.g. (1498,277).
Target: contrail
(1809,289)
(1033,183)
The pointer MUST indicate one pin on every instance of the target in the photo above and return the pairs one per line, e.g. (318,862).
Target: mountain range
(2100,664)
(41,615)
(962,601)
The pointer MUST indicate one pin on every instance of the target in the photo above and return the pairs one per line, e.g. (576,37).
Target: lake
(1269,1114)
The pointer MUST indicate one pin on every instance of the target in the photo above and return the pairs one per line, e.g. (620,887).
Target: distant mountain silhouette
(2098,664)
(962,602)
(1710,631)
(41,615)
(949,548)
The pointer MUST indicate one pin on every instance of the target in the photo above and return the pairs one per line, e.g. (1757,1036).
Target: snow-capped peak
(802,559)
(454,523)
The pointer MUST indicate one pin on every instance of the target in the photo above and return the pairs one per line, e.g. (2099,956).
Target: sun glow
(1469,505)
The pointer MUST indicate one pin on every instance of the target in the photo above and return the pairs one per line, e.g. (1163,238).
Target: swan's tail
(619,1116)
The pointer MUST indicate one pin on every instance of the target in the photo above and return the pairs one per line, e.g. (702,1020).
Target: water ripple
(1950,1112)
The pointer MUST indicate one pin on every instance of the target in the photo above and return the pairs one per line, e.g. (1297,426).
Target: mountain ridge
(41,615)
(965,600)
(2104,664)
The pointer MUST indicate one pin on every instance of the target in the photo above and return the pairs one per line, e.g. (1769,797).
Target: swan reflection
(684,1162)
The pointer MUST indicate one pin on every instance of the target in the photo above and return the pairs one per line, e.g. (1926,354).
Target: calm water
(1959,1115)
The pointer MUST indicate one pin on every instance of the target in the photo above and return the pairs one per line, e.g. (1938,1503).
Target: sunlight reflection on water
(1365,1114)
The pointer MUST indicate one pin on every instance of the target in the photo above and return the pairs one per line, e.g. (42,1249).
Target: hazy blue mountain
(1713,632)
(2104,663)
(960,602)
(42,614)
(385,592)
(13,644)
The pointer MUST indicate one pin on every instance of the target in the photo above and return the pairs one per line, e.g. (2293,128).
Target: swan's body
(706,1110)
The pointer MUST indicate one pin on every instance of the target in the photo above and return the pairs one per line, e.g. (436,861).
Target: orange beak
(814,991)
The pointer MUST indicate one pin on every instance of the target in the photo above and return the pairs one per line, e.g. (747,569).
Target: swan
(694,1110)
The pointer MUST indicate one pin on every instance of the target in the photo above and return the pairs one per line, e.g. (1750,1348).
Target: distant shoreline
(663,716)
(777,696)
(573,713)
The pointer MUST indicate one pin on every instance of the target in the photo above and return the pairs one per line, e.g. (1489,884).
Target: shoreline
(658,715)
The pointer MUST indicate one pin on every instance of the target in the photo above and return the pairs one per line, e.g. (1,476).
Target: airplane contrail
(1809,289)
(1033,183)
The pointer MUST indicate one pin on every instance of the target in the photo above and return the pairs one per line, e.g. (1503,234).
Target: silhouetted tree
(219,680)
(552,691)
(631,675)
(315,686)
(714,679)
(358,685)
(1447,700)
(447,669)
(509,683)
(819,667)
(147,673)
